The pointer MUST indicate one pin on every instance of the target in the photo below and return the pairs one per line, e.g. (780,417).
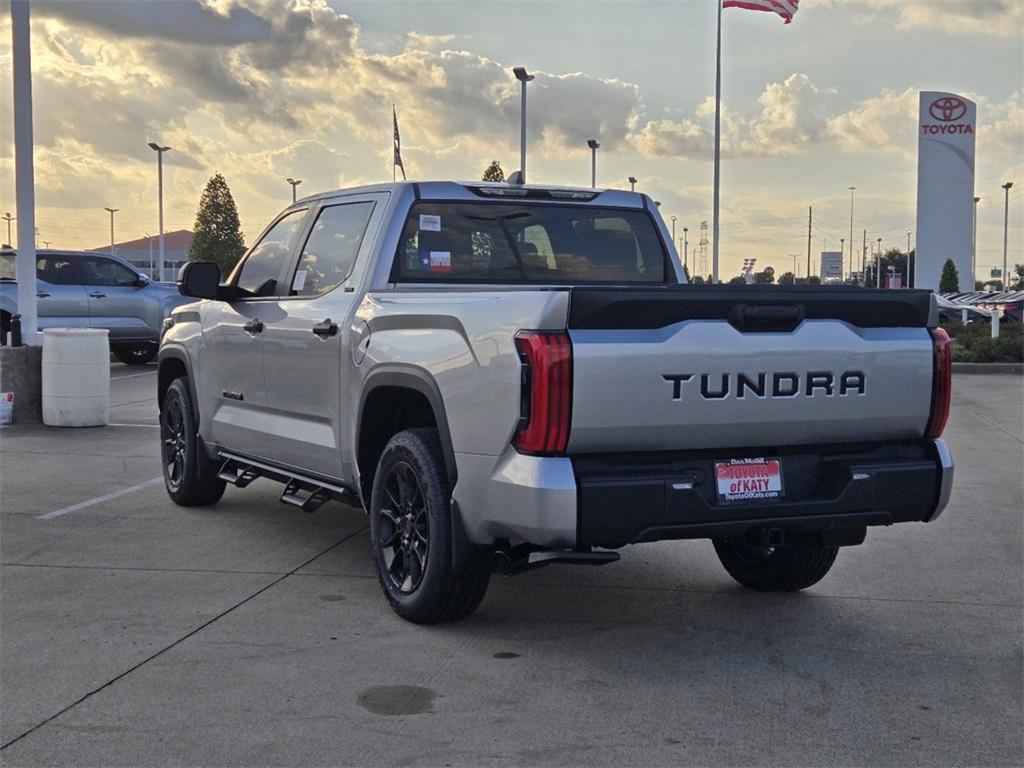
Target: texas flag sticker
(440,261)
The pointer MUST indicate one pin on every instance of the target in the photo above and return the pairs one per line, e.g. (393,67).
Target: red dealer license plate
(749,479)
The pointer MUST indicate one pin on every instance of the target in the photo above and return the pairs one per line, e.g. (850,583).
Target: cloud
(982,17)
(182,20)
(789,120)
(882,123)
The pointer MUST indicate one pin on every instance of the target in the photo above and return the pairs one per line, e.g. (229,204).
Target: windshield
(529,243)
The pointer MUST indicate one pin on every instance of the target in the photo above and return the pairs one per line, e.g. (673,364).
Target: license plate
(749,479)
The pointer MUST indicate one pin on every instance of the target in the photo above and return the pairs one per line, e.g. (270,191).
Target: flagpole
(718,132)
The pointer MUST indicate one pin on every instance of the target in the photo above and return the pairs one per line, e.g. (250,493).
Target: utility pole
(878,264)
(686,245)
(1006,224)
(909,271)
(851,229)
(810,211)
(974,246)
(863,258)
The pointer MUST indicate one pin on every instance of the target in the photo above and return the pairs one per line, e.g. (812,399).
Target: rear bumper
(831,490)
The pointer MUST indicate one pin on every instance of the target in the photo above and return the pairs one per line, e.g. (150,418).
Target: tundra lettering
(783,384)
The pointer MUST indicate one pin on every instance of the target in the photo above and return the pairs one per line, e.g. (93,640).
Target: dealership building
(144,252)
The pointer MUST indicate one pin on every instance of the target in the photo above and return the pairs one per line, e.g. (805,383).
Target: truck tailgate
(692,367)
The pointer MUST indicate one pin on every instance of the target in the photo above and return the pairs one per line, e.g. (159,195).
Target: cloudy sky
(262,90)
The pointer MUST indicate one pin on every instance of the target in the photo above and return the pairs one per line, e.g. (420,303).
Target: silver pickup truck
(83,289)
(508,376)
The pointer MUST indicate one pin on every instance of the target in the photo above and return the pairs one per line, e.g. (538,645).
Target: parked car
(81,289)
(511,376)
(951,311)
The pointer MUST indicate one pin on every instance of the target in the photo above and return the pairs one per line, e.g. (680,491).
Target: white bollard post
(995,324)
(963,316)
(76,377)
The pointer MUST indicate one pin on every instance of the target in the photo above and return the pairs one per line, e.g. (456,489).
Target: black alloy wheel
(404,530)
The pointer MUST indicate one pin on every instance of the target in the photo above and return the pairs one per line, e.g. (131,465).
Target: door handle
(42,295)
(97,295)
(326,328)
(254,326)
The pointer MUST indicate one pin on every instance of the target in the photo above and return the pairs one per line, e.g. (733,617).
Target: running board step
(510,562)
(306,493)
(314,497)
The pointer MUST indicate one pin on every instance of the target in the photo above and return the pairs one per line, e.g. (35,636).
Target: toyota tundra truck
(507,376)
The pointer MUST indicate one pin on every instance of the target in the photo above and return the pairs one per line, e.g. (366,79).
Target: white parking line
(148,426)
(133,375)
(100,499)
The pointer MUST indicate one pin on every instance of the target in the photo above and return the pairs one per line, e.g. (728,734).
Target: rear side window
(56,270)
(94,270)
(262,269)
(529,243)
(331,248)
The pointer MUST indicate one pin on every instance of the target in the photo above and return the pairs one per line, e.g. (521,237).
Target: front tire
(775,569)
(411,534)
(135,355)
(190,478)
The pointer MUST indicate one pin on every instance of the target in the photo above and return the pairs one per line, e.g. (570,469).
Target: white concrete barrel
(76,377)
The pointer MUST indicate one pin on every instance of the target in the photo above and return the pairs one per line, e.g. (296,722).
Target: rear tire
(411,534)
(135,355)
(775,569)
(190,478)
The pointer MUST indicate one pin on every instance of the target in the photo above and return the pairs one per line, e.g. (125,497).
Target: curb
(987,368)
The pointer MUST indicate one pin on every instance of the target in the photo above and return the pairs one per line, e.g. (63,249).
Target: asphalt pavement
(137,633)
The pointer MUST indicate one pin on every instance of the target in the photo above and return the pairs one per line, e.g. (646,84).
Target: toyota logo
(947,109)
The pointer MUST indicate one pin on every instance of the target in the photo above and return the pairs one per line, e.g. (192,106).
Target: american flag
(785,8)
(398,143)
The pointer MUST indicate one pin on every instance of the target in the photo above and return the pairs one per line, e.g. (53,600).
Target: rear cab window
(529,243)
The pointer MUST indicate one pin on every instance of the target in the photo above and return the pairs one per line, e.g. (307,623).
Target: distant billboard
(831,265)
(945,187)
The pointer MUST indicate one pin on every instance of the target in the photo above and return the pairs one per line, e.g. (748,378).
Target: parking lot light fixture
(112,211)
(8,218)
(160,196)
(523,77)
(294,183)
(673,228)
(878,264)
(632,183)
(1006,224)
(592,143)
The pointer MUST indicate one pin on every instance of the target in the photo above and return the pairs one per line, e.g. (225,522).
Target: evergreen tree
(217,234)
(787,278)
(950,280)
(494,172)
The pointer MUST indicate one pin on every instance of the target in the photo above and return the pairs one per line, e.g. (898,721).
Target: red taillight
(942,382)
(546,403)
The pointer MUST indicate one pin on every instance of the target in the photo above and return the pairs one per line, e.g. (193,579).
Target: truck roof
(468,190)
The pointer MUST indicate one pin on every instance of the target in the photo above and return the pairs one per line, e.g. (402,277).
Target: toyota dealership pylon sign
(945,188)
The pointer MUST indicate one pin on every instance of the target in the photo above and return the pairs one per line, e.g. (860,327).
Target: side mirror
(141,281)
(199,279)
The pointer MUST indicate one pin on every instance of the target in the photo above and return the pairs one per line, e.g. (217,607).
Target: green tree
(787,278)
(217,234)
(813,280)
(710,280)
(1017,278)
(738,280)
(698,280)
(949,282)
(764,278)
(494,172)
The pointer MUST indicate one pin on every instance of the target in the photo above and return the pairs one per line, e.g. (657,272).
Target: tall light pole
(160,185)
(294,183)
(1006,225)
(592,143)
(149,242)
(974,245)
(842,252)
(8,218)
(852,265)
(632,183)
(523,78)
(673,229)
(112,212)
